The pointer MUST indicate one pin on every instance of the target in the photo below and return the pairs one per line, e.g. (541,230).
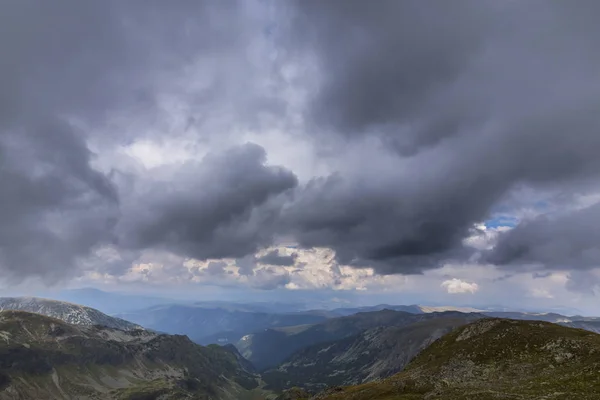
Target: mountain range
(270,347)
(45,358)
(55,349)
(214,325)
(371,355)
(493,359)
(65,311)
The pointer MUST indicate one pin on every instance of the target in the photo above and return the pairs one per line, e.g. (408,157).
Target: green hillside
(45,358)
(495,359)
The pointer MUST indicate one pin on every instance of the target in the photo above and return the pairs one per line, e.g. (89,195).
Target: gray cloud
(227,205)
(267,279)
(469,101)
(426,116)
(274,258)
(567,241)
(71,69)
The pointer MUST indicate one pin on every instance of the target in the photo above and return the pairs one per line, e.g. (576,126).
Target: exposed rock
(45,358)
(68,312)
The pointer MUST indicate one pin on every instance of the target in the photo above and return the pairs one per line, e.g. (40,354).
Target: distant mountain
(548,317)
(269,347)
(372,354)
(214,325)
(591,324)
(68,312)
(494,359)
(117,303)
(45,358)
(413,309)
(111,302)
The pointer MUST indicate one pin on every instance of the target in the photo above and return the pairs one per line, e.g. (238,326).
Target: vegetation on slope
(268,348)
(373,354)
(495,359)
(45,358)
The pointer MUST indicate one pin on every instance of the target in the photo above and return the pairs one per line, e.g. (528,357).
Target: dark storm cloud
(55,208)
(382,63)
(225,206)
(571,240)
(431,114)
(473,99)
(274,258)
(70,64)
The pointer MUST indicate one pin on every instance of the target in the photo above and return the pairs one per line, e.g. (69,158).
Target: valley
(52,349)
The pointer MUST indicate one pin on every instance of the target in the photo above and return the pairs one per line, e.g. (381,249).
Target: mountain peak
(65,311)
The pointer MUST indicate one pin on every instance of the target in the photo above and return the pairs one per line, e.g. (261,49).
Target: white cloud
(455,286)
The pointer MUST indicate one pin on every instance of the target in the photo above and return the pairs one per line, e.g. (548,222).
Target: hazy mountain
(214,325)
(591,324)
(68,312)
(269,347)
(548,317)
(117,303)
(494,359)
(413,309)
(45,358)
(372,354)
(111,302)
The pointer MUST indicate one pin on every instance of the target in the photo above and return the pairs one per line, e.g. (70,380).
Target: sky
(353,151)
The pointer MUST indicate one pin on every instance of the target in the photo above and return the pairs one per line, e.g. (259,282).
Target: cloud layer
(386,133)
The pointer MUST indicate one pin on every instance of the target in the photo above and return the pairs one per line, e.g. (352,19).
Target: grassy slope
(268,348)
(495,359)
(45,358)
(373,354)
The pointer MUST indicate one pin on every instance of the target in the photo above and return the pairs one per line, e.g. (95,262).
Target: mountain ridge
(45,358)
(493,359)
(373,354)
(66,311)
(270,347)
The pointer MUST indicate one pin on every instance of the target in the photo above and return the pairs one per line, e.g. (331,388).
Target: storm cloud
(467,102)
(385,131)
(70,72)
(565,241)
(227,205)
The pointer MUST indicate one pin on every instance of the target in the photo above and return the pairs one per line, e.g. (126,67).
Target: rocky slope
(495,359)
(270,347)
(45,358)
(372,354)
(68,312)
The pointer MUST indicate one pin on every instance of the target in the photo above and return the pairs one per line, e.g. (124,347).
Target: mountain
(268,348)
(45,358)
(214,325)
(110,302)
(372,354)
(413,309)
(548,317)
(494,359)
(68,312)
(591,324)
(117,303)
